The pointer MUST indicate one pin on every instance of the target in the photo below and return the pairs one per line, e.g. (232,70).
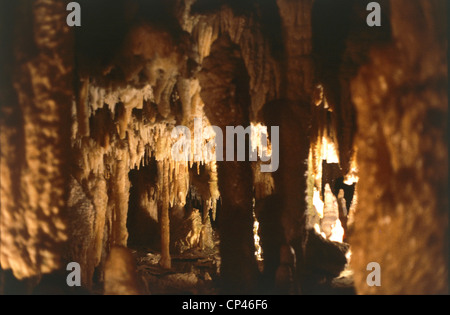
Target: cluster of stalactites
(136,139)
(129,126)
(264,74)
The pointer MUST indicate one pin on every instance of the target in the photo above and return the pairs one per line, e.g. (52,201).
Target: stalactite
(265,78)
(133,142)
(120,123)
(135,139)
(91,145)
(206,35)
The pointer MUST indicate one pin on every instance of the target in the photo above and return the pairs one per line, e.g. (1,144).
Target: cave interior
(88,175)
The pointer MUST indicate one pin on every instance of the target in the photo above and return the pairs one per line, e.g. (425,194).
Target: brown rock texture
(35,140)
(225,90)
(87,134)
(401,99)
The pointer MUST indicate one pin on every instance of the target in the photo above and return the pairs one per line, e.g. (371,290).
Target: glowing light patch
(318,203)
(337,232)
(329,151)
(319,231)
(256,238)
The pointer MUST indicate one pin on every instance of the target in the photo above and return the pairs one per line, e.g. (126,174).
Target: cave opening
(345,158)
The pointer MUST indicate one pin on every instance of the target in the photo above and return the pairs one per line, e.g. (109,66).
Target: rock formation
(88,131)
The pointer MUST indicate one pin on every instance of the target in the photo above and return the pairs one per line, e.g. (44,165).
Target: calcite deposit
(89,119)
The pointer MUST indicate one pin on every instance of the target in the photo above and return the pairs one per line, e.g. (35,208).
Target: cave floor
(196,272)
(341,285)
(193,272)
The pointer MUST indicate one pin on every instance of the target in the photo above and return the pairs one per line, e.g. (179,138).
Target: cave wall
(35,141)
(384,92)
(81,109)
(401,99)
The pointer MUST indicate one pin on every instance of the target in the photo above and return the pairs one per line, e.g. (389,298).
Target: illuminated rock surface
(87,114)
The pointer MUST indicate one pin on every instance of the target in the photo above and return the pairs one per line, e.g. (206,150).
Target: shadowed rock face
(86,120)
(323,256)
(402,95)
(226,97)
